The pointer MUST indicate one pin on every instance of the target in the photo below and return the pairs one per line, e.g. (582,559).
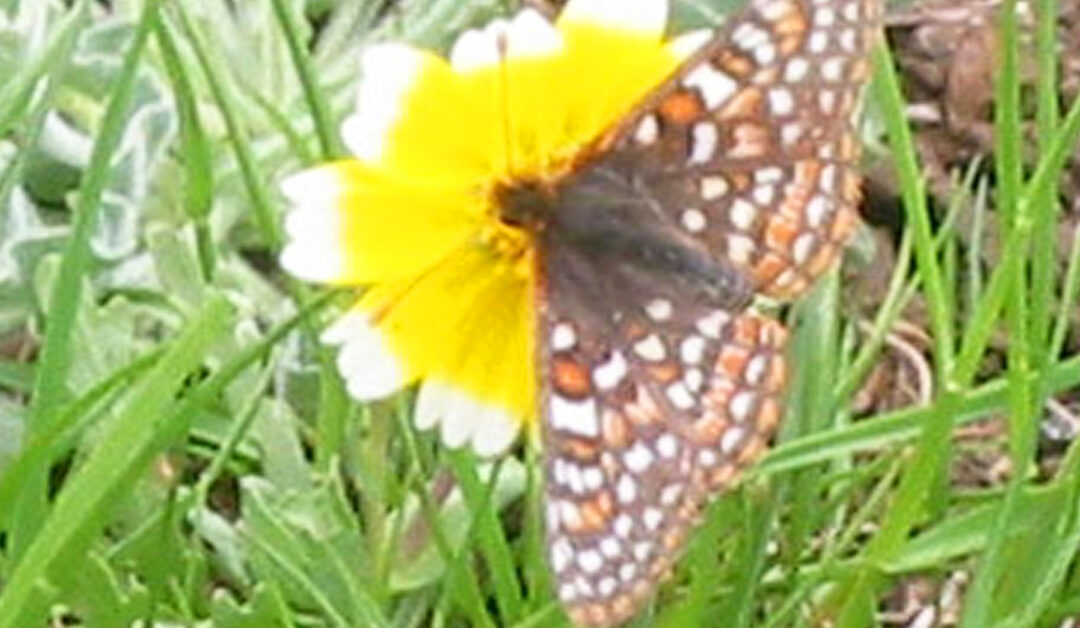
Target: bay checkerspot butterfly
(735,177)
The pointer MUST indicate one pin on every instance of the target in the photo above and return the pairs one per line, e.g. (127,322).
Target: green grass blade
(18,90)
(225,97)
(490,536)
(1044,259)
(195,148)
(320,110)
(124,451)
(903,425)
(50,385)
(886,86)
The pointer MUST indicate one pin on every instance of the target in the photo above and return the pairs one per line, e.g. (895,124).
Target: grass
(175,446)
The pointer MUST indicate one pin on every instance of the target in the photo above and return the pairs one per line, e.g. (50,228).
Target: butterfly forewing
(752,145)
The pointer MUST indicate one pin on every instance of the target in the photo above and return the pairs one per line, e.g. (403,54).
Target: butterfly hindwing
(648,415)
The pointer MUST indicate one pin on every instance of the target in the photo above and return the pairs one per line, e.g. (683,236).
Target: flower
(451,294)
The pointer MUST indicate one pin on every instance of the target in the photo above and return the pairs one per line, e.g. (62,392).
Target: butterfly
(736,177)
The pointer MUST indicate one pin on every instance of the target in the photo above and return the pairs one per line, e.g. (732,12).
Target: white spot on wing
(740,248)
(578,417)
(648,130)
(796,70)
(638,458)
(781,101)
(590,561)
(729,442)
(563,337)
(680,396)
(667,446)
(659,309)
(803,247)
(704,142)
(693,220)
(625,489)
(692,349)
(712,324)
(653,517)
(740,405)
(608,375)
(610,547)
(561,554)
(715,86)
(650,348)
(833,69)
(713,187)
(607,586)
(743,213)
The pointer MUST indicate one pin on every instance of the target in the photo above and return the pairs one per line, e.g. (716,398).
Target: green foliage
(176,449)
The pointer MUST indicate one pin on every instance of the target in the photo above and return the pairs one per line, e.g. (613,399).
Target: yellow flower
(451,292)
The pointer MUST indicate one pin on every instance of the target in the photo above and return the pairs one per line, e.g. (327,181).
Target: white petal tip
(366,361)
(389,71)
(528,34)
(313,250)
(316,183)
(312,263)
(648,16)
(489,430)
(688,43)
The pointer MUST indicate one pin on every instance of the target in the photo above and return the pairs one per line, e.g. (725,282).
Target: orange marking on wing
(792,23)
(768,267)
(733,359)
(665,372)
(777,375)
(616,432)
(596,513)
(821,260)
(744,104)
(768,416)
(707,430)
(571,379)
(724,476)
(682,107)
(843,224)
(735,65)
(752,450)
(781,232)
(579,449)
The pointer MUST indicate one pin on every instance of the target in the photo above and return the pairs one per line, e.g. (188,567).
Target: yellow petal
(417,120)
(615,56)
(352,225)
(469,324)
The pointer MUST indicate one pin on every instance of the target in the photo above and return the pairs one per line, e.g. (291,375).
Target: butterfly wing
(648,414)
(737,176)
(752,145)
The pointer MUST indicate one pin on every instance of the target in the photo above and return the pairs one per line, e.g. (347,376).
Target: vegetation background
(176,448)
